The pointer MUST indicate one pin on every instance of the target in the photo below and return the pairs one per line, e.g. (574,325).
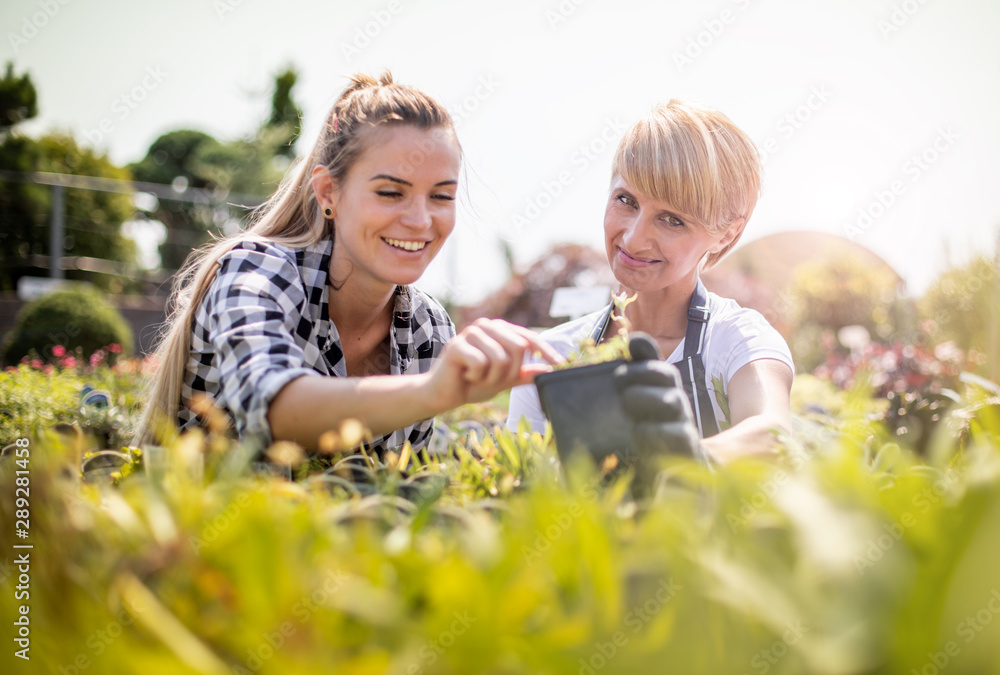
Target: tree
(843,291)
(285,114)
(838,291)
(93,218)
(963,306)
(173,159)
(244,167)
(18,99)
(186,158)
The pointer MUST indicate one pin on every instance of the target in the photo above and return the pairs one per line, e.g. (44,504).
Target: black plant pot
(585,411)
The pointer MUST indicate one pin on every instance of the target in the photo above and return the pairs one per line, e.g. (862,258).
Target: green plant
(852,555)
(857,557)
(65,320)
(612,347)
(37,397)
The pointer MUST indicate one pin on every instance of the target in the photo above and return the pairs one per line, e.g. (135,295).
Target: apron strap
(601,327)
(691,367)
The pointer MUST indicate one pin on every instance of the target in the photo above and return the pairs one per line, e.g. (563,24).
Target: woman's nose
(636,232)
(417,214)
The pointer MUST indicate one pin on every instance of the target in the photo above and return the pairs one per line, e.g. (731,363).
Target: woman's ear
(730,236)
(324,187)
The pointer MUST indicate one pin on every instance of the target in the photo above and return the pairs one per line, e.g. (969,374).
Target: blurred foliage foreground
(850,554)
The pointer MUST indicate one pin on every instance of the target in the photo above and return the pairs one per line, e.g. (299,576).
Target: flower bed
(852,554)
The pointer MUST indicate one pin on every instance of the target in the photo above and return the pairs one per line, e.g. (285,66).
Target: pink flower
(114,348)
(149,365)
(97,358)
(69,362)
(37,364)
(59,350)
(47,369)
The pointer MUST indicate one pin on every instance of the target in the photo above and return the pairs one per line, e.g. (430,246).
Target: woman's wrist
(430,398)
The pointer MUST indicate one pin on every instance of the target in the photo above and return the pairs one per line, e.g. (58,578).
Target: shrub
(835,292)
(963,306)
(70,319)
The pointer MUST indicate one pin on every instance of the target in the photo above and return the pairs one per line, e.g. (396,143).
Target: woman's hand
(483,360)
(760,412)
(653,399)
(475,365)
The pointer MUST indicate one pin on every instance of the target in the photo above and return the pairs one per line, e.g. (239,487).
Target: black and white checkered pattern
(264,322)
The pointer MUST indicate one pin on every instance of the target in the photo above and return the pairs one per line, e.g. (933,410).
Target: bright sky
(881,107)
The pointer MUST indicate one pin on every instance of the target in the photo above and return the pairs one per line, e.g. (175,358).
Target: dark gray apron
(691,367)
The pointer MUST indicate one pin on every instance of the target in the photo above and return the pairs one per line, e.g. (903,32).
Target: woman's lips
(633,261)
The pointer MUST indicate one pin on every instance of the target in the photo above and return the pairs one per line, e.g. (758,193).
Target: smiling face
(651,246)
(395,207)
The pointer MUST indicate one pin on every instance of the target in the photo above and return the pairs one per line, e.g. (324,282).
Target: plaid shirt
(264,321)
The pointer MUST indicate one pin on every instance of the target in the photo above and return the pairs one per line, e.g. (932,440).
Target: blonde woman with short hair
(684,183)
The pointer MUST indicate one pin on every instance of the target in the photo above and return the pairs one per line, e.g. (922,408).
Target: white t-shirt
(735,337)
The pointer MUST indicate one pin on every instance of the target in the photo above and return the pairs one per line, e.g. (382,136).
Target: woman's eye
(626,200)
(388,193)
(445,197)
(673,222)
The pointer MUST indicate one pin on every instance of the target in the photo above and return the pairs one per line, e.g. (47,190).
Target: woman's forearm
(485,358)
(307,407)
(759,404)
(755,436)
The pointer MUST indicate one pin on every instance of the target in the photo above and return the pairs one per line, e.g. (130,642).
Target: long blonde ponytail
(291,217)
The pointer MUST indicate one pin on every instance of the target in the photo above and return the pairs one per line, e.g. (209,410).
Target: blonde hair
(291,217)
(696,160)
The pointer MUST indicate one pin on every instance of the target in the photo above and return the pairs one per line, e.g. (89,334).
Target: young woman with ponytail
(308,316)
